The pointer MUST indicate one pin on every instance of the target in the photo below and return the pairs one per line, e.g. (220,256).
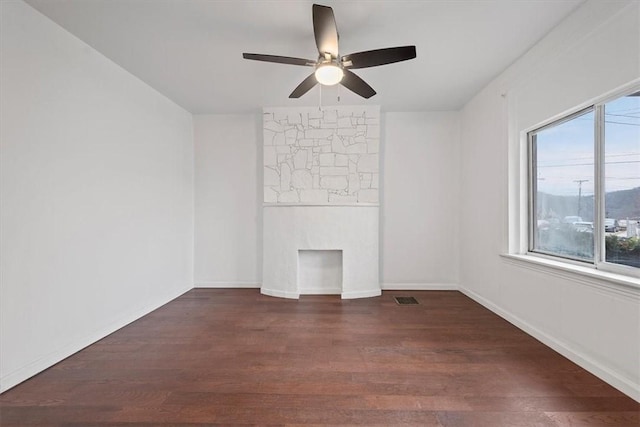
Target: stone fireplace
(321,193)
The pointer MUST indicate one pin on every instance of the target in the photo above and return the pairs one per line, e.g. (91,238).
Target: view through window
(622,180)
(585,206)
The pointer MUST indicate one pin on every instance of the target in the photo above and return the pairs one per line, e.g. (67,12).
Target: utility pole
(580,181)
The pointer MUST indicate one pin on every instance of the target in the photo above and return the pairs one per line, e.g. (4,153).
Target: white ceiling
(191,50)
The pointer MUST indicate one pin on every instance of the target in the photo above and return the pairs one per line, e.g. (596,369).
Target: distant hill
(623,204)
(619,204)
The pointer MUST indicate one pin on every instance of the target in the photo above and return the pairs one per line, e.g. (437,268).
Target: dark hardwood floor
(232,357)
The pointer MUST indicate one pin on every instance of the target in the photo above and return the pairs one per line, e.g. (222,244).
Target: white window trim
(620,280)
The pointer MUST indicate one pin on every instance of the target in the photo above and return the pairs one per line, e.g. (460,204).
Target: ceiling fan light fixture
(329,74)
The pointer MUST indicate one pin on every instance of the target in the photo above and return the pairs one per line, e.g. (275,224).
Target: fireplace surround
(321,192)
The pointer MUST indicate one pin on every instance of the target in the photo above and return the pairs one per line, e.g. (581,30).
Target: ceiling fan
(330,67)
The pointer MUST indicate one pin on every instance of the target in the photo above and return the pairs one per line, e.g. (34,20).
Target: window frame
(598,262)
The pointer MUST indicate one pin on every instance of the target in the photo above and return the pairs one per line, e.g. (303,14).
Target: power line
(606,155)
(623,177)
(621,123)
(622,154)
(587,164)
(625,110)
(623,115)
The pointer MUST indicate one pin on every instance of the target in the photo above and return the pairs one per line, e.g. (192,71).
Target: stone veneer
(327,156)
(321,193)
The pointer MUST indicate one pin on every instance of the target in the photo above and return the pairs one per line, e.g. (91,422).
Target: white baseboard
(616,380)
(279,294)
(389,286)
(32,368)
(419,286)
(320,291)
(227,285)
(362,294)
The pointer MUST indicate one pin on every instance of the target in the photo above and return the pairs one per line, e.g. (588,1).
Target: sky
(565,153)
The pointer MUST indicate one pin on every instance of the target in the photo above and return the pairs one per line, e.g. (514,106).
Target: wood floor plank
(586,419)
(235,357)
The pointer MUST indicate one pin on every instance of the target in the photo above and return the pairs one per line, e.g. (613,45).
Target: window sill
(611,282)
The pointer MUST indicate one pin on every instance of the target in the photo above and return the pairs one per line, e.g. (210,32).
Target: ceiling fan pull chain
(320,97)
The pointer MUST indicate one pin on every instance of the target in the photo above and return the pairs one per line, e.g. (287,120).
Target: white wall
(595,50)
(228,206)
(419,200)
(420,212)
(96,195)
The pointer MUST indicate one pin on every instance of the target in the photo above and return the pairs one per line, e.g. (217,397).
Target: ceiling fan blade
(373,58)
(325,30)
(304,87)
(356,85)
(279,59)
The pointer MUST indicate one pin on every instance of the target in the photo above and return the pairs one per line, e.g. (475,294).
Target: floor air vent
(406,300)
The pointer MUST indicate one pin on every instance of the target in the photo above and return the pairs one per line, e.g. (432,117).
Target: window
(584,186)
